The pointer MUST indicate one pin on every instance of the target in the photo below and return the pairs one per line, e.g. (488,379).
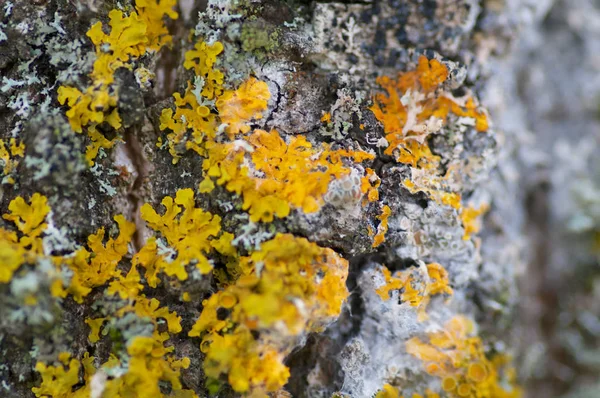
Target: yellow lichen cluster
(97,266)
(389,391)
(190,235)
(370,186)
(8,154)
(288,287)
(24,247)
(283,176)
(456,355)
(435,188)
(272,176)
(148,363)
(149,360)
(382,228)
(417,285)
(470,217)
(130,37)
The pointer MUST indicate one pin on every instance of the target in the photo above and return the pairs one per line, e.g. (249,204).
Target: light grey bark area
(529,279)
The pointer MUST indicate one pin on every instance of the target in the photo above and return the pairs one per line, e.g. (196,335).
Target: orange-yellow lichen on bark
(456,355)
(190,232)
(416,287)
(237,108)
(470,217)
(433,187)
(382,228)
(130,37)
(202,59)
(412,107)
(285,176)
(95,326)
(18,248)
(97,266)
(289,282)
(388,391)
(370,186)
(431,73)
(29,219)
(58,381)
(147,366)
(8,154)
(150,361)
(191,113)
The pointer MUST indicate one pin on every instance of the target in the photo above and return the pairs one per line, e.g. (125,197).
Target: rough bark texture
(470,257)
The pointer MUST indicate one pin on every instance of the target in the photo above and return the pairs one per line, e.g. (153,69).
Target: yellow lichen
(456,355)
(284,176)
(237,108)
(370,186)
(389,391)
(57,381)
(470,217)
(417,285)
(382,228)
(191,233)
(25,246)
(29,220)
(435,188)
(202,59)
(99,265)
(129,38)
(272,176)
(8,154)
(192,111)
(288,287)
(95,325)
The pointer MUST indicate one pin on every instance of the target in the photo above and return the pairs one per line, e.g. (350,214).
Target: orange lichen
(288,287)
(370,186)
(382,228)
(456,355)
(413,107)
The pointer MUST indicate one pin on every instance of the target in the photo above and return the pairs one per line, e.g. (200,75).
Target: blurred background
(545,97)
